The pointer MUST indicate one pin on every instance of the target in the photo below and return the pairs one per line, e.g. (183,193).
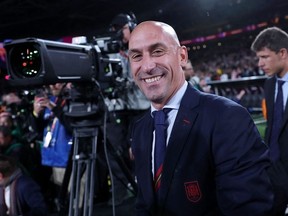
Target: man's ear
(283,52)
(183,56)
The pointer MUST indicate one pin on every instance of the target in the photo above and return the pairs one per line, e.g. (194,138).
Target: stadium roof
(51,19)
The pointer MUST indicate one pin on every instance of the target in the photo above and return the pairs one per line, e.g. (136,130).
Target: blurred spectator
(204,86)
(49,122)
(6,119)
(14,112)
(10,98)
(239,96)
(191,76)
(188,70)
(11,147)
(19,194)
(235,72)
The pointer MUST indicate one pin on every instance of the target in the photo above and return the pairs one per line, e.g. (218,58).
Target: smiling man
(158,82)
(214,160)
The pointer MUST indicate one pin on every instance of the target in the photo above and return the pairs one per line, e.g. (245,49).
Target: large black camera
(32,62)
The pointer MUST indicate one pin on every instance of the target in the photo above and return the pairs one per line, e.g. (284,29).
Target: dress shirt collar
(284,78)
(175,101)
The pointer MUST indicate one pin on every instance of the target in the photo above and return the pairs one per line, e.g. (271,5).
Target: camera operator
(124,108)
(49,121)
(134,100)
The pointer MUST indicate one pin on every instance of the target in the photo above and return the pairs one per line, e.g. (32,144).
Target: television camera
(33,62)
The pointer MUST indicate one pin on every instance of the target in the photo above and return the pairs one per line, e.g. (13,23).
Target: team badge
(193,191)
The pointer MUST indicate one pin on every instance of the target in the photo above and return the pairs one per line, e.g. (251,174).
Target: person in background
(133,99)
(19,194)
(271,48)
(11,104)
(190,75)
(11,147)
(10,97)
(215,161)
(204,86)
(52,126)
(128,104)
(6,119)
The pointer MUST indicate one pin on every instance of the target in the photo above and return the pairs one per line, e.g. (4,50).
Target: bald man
(215,161)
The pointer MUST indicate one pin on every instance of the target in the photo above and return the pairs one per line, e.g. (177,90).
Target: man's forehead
(154,31)
(151,39)
(151,33)
(265,51)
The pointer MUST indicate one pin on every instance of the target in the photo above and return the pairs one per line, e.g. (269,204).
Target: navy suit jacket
(279,171)
(29,199)
(269,90)
(215,162)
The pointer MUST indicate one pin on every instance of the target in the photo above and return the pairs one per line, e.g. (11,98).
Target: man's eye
(158,52)
(135,57)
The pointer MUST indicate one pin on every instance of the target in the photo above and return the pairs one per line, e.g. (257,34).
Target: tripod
(82,161)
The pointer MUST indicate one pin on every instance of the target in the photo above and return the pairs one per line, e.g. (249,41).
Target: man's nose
(147,64)
(260,63)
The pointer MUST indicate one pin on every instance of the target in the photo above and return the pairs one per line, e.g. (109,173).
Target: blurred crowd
(219,70)
(223,66)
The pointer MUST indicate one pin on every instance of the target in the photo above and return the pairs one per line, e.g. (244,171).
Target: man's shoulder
(144,121)
(270,81)
(208,99)
(144,117)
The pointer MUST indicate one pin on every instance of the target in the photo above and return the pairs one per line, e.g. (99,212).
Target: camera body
(36,62)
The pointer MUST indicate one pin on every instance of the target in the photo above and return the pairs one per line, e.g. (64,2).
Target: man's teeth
(153,79)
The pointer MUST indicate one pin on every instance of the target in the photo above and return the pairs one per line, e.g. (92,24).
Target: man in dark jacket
(19,194)
(215,161)
(271,48)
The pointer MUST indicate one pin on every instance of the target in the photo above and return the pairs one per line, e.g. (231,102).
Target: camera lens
(25,60)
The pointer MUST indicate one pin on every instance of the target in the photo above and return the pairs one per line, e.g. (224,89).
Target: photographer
(49,121)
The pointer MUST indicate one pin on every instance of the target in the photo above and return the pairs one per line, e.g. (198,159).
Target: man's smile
(152,79)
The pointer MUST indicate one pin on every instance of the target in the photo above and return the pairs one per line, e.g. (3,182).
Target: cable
(105,145)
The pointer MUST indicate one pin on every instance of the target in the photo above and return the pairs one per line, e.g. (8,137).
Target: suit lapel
(187,114)
(144,142)
(270,94)
(269,97)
